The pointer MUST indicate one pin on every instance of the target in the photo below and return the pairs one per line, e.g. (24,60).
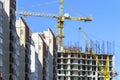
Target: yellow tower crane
(104,69)
(60,22)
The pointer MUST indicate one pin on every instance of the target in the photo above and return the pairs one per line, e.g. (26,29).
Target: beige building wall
(24,33)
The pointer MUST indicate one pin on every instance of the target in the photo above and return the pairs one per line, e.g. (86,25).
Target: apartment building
(10,41)
(72,64)
(35,64)
(24,34)
(45,47)
(40,48)
(1,39)
(50,41)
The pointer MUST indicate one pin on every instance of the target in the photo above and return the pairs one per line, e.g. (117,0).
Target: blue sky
(105,24)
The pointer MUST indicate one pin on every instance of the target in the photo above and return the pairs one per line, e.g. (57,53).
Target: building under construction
(74,64)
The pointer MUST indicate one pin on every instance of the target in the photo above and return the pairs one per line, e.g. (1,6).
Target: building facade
(35,64)
(1,39)
(76,65)
(45,44)
(50,41)
(11,42)
(40,50)
(24,34)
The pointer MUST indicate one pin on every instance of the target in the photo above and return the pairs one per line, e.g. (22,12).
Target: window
(59,55)
(71,73)
(71,60)
(94,79)
(110,63)
(59,72)
(71,66)
(1,18)
(50,40)
(1,40)
(59,60)
(21,32)
(59,66)
(1,30)
(83,67)
(104,63)
(1,51)
(65,60)
(93,62)
(93,73)
(1,64)
(83,73)
(83,61)
(110,69)
(93,68)
(59,77)
(65,66)
(39,47)
(79,61)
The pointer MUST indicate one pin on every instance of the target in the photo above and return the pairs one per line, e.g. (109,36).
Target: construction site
(50,59)
(72,62)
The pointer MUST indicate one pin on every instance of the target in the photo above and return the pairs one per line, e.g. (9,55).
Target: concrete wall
(82,66)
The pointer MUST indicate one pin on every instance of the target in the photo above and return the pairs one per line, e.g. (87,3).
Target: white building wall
(34,64)
(39,50)
(32,58)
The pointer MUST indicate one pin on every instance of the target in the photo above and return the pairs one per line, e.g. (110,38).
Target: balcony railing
(12,60)
(12,71)
(12,49)
(12,27)
(27,60)
(27,69)
(13,4)
(27,50)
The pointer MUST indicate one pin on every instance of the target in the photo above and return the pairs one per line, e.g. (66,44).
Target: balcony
(13,4)
(26,78)
(12,27)
(12,38)
(29,40)
(12,71)
(12,60)
(27,51)
(12,49)
(10,77)
(12,15)
(27,60)
(27,69)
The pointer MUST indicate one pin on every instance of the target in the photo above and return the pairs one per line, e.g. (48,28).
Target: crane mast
(59,32)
